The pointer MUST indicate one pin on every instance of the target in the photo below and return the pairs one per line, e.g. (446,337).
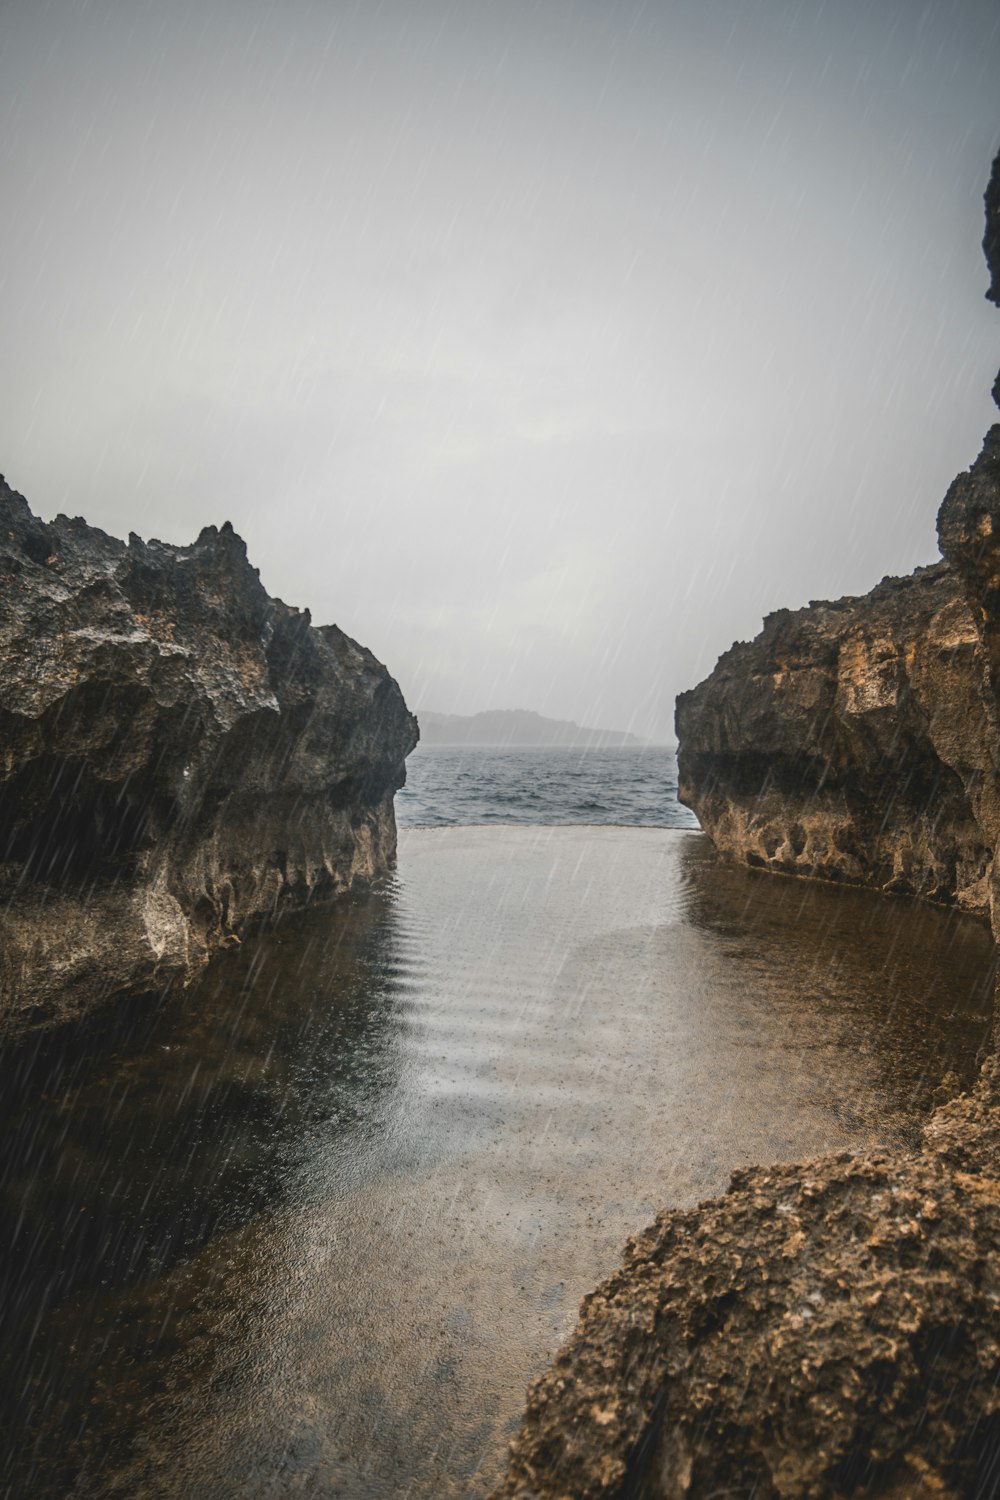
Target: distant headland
(518,727)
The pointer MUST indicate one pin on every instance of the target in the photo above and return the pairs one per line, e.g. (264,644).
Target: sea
(448,786)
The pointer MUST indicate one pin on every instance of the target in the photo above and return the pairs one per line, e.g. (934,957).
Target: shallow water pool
(312,1225)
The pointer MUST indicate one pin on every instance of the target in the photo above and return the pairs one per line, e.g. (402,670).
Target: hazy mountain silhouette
(517,726)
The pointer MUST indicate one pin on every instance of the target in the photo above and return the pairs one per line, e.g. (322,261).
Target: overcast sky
(542,346)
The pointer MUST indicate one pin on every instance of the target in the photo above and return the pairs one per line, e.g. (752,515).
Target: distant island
(518,727)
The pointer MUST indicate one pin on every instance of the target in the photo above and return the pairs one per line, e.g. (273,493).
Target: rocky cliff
(851,741)
(830,1328)
(181,755)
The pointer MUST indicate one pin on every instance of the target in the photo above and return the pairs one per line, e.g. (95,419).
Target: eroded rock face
(853,741)
(830,1328)
(181,754)
(969,536)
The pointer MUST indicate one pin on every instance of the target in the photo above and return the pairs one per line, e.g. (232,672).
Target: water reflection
(163,1126)
(904,988)
(340,1200)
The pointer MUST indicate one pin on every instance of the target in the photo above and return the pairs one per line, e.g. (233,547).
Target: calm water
(310,1227)
(446,786)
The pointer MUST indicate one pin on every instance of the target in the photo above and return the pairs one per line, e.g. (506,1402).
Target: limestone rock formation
(852,741)
(830,1328)
(181,755)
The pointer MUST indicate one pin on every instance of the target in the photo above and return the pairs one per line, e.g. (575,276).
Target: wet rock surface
(827,1328)
(182,755)
(852,741)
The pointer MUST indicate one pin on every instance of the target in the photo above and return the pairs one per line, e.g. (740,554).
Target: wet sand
(312,1226)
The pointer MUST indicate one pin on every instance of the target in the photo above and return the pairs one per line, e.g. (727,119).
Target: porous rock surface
(181,755)
(830,1328)
(852,741)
